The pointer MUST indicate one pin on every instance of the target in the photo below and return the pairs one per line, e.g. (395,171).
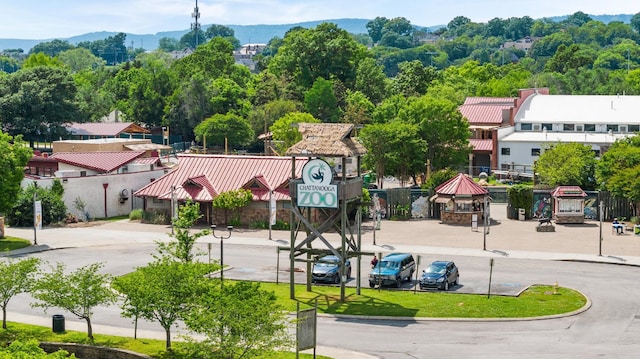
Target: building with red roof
(461,198)
(203,177)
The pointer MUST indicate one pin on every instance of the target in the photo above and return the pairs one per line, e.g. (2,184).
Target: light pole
(221,237)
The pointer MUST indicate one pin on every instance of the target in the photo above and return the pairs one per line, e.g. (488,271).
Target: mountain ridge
(259,33)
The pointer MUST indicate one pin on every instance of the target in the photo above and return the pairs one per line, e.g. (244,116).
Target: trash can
(58,323)
(521,214)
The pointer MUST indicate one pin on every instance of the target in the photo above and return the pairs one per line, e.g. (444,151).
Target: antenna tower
(195,26)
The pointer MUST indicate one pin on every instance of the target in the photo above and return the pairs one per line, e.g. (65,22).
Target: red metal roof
(485,110)
(481,145)
(218,173)
(103,162)
(105,129)
(461,185)
(568,191)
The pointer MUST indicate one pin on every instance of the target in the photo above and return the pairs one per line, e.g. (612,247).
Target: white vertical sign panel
(37,214)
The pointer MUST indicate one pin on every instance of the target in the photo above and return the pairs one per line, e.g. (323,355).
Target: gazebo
(461,198)
(568,204)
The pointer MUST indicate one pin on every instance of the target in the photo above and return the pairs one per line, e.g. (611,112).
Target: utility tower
(195,26)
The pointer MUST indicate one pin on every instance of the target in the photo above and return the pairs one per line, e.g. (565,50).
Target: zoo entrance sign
(316,189)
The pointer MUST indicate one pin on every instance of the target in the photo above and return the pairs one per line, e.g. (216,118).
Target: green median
(536,301)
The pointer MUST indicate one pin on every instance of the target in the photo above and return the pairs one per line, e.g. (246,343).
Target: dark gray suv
(440,275)
(327,269)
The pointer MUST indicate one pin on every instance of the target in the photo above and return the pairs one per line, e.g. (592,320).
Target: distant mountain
(245,33)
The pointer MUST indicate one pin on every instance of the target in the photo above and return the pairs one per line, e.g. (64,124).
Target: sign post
(37,218)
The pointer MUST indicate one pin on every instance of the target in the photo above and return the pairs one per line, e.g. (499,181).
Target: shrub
(156,217)
(280,225)
(136,214)
(259,225)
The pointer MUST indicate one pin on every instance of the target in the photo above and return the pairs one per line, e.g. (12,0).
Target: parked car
(392,269)
(327,269)
(440,275)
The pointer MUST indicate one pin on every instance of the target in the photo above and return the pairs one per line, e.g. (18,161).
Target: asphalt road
(610,328)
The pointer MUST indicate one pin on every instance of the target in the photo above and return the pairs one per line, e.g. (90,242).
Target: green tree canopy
(240,321)
(618,170)
(185,237)
(36,102)
(227,129)
(14,155)
(320,101)
(15,277)
(78,292)
(285,132)
(567,164)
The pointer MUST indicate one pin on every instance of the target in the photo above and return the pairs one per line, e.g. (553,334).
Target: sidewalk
(506,237)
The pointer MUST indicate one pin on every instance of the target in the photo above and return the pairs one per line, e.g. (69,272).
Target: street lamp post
(221,237)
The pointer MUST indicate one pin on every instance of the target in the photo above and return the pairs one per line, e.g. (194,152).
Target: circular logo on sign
(317,171)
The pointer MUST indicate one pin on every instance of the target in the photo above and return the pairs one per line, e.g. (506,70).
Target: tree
(358,109)
(224,32)
(326,51)
(392,148)
(53,208)
(80,59)
(36,102)
(231,201)
(222,129)
(241,321)
(635,22)
(163,291)
(567,164)
(78,292)
(40,59)
(51,48)
(618,170)
(320,101)
(181,249)
(442,127)
(229,97)
(15,278)
(413,78)
(371,81)
(374,28)
(285,132)
(168,44)
(14,155)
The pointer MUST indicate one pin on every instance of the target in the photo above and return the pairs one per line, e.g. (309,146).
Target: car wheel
(455,282)
(445,287)
(398,282)
(371,284)
(410,276)
(336,280)
(349,273)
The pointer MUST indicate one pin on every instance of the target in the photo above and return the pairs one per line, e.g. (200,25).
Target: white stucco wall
(92,192)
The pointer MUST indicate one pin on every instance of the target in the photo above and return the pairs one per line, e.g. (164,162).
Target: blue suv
(392,269)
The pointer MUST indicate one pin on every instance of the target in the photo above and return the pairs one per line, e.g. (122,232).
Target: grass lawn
(152,347)
(10,243)
(536,301)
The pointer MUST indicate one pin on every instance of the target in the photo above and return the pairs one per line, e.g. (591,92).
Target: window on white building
(547,126)
(525,127)
(568,127)
(535,152)
(590,127)
(633,128)
(612,128)
(505,151)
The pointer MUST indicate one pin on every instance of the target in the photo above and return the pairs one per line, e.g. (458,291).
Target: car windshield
(326,265)
(386,265)
(439,269)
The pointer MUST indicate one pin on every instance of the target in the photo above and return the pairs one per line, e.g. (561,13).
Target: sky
(48,19)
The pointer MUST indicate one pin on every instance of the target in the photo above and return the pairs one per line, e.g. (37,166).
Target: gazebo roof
(568,191)
(461,185)
(326,140)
